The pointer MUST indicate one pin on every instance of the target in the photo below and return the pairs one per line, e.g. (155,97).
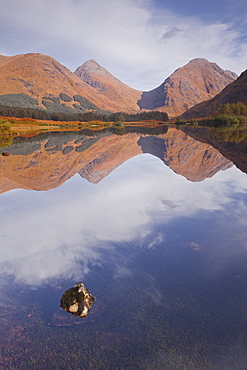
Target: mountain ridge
(40,76)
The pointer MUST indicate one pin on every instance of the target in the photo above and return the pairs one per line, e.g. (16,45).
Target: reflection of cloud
(121,271)
(152,288)
(59,233)
(156,241)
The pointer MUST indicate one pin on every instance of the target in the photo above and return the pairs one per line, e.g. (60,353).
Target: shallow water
(165,258)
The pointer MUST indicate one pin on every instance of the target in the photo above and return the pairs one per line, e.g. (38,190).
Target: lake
(152,221)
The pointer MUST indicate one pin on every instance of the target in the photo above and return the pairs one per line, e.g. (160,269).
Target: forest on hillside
(42,114)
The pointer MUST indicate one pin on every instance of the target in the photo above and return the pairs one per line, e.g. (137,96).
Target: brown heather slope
(233,93)
(3,59)
(104,82)
(39,75)
(197,81)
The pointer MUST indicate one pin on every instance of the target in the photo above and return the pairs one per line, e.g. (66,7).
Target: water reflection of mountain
(47,160)
(234,148)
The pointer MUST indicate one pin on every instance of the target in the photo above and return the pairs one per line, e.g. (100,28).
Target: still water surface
(165,258)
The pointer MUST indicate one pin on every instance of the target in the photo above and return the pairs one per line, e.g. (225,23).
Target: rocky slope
(104,82)
(233,93)
(95,156)
(39,75)
(197,81)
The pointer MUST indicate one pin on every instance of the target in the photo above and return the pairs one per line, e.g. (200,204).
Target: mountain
(36,80)
(94,155)
(197,81)
(39,76)
(233,93)
(104,82)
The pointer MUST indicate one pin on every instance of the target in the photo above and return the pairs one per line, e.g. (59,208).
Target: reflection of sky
(60,233)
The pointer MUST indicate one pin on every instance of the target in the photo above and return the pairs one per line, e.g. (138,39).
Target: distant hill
(104,82)
(197,81)
(233,93)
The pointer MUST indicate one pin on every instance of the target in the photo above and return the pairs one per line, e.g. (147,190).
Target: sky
(141,42)
(60,235)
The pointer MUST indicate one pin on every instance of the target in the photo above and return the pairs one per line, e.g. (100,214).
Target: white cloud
(174,31)
(59,233)
(123,36)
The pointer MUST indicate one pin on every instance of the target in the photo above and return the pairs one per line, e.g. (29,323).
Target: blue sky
(140,41)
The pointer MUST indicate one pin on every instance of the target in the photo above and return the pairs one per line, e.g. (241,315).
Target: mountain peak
(187,86)
(205,64)
(199,61)
(92,67)
(105,83)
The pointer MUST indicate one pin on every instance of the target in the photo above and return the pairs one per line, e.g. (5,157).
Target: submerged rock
(77,300)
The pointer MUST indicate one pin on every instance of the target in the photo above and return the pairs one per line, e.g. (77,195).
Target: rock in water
(77,300)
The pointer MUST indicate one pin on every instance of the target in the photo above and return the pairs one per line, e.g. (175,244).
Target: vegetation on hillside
(18,100)
(235,109)
(5,133)
(230,116)
(228,101)
(51,104)
(66,98)
(229,124)
(142,116)
(42,114)
(223,114)
(68,114)
(5,126)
